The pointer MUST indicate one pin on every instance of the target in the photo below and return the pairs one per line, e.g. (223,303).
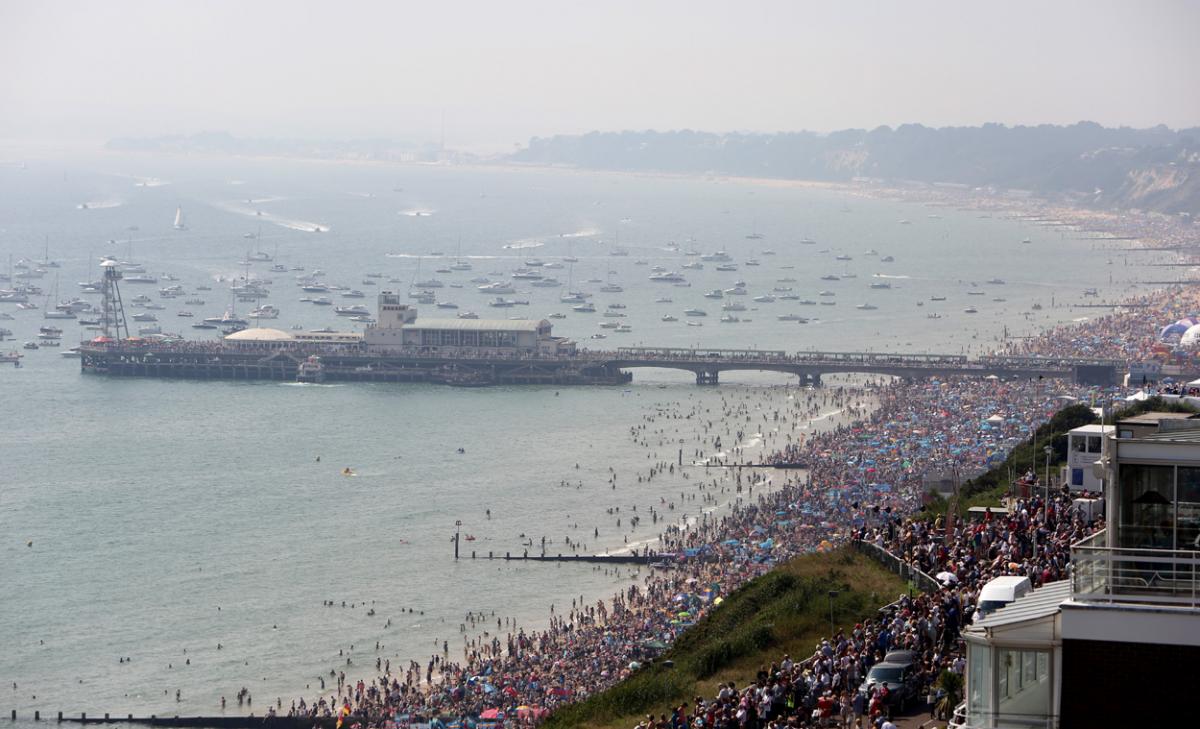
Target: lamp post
(1046,503)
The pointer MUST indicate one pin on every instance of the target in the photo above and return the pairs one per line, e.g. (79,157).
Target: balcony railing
(1101,573)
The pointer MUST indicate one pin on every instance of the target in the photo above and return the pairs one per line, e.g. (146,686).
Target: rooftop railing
(1107,574)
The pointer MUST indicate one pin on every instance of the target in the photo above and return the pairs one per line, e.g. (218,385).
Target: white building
(1084,446)
(398,328)
(1119,643)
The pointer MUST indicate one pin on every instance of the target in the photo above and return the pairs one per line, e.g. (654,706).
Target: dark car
(900,679)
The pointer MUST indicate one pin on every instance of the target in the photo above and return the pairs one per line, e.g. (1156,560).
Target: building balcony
(1134,576)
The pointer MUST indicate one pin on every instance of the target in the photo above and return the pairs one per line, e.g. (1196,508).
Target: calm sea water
(167,517)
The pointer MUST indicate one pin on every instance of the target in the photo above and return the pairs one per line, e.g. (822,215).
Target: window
(1188,504)
(1076,476)
(1093,444)
(1147,517)
(979,680)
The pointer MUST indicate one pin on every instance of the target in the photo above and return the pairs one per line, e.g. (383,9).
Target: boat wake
(239,207)
(520,245)
(888,275)
(100,204)
(584,233)
(417,212)
(308,384)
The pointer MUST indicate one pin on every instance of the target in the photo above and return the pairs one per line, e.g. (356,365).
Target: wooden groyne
(215,722)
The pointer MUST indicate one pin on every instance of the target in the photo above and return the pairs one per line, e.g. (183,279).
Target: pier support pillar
(814,379)
(707,377)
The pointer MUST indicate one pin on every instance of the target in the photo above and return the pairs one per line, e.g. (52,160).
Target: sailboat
(52,311)
(459,264)
(179,225)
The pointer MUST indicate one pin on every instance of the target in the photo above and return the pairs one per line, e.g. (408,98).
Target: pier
(356,363)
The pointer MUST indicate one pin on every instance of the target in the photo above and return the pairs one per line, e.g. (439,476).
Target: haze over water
(150,503)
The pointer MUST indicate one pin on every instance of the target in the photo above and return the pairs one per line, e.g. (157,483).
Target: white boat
(880,285)
(447,305)
(499,287)
(715,294)
(668,317)
(729,319)
(266,311)
(145,316)
(767,299)
(716,257)
(733,306)
(867,307)
(72,353)
(669,277)
(695,312)
(179,224)
(970,310)
(611,288)
(694,266)
(468,315)
(585,308)
(792,317)
(323,301)
(727,267)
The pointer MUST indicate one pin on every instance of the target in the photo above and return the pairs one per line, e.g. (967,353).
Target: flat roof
(1153,418)
(1090,429)
(489,325)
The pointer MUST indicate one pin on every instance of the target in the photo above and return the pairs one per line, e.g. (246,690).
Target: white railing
(1101,573)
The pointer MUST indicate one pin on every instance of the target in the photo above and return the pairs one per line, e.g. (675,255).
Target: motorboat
(352,310)
(668,317)
(729,319)
(695,312)
(715,294)
(765,299)
(668,277)
(831,277)
(717,257)
(499,287)
(733,306)
(323,301)
(584,308)
(970,310)
(727,267)
(880,285)
(867,307)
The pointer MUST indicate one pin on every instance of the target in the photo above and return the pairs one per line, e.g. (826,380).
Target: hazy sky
(504,70)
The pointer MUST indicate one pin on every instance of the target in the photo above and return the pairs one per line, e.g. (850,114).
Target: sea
(208,531)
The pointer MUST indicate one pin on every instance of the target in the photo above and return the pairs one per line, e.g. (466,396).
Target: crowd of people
(865,482)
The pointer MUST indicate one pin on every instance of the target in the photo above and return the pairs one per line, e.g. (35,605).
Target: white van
(1000,592)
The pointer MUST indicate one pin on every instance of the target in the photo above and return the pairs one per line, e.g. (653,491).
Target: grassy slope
(785,611)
